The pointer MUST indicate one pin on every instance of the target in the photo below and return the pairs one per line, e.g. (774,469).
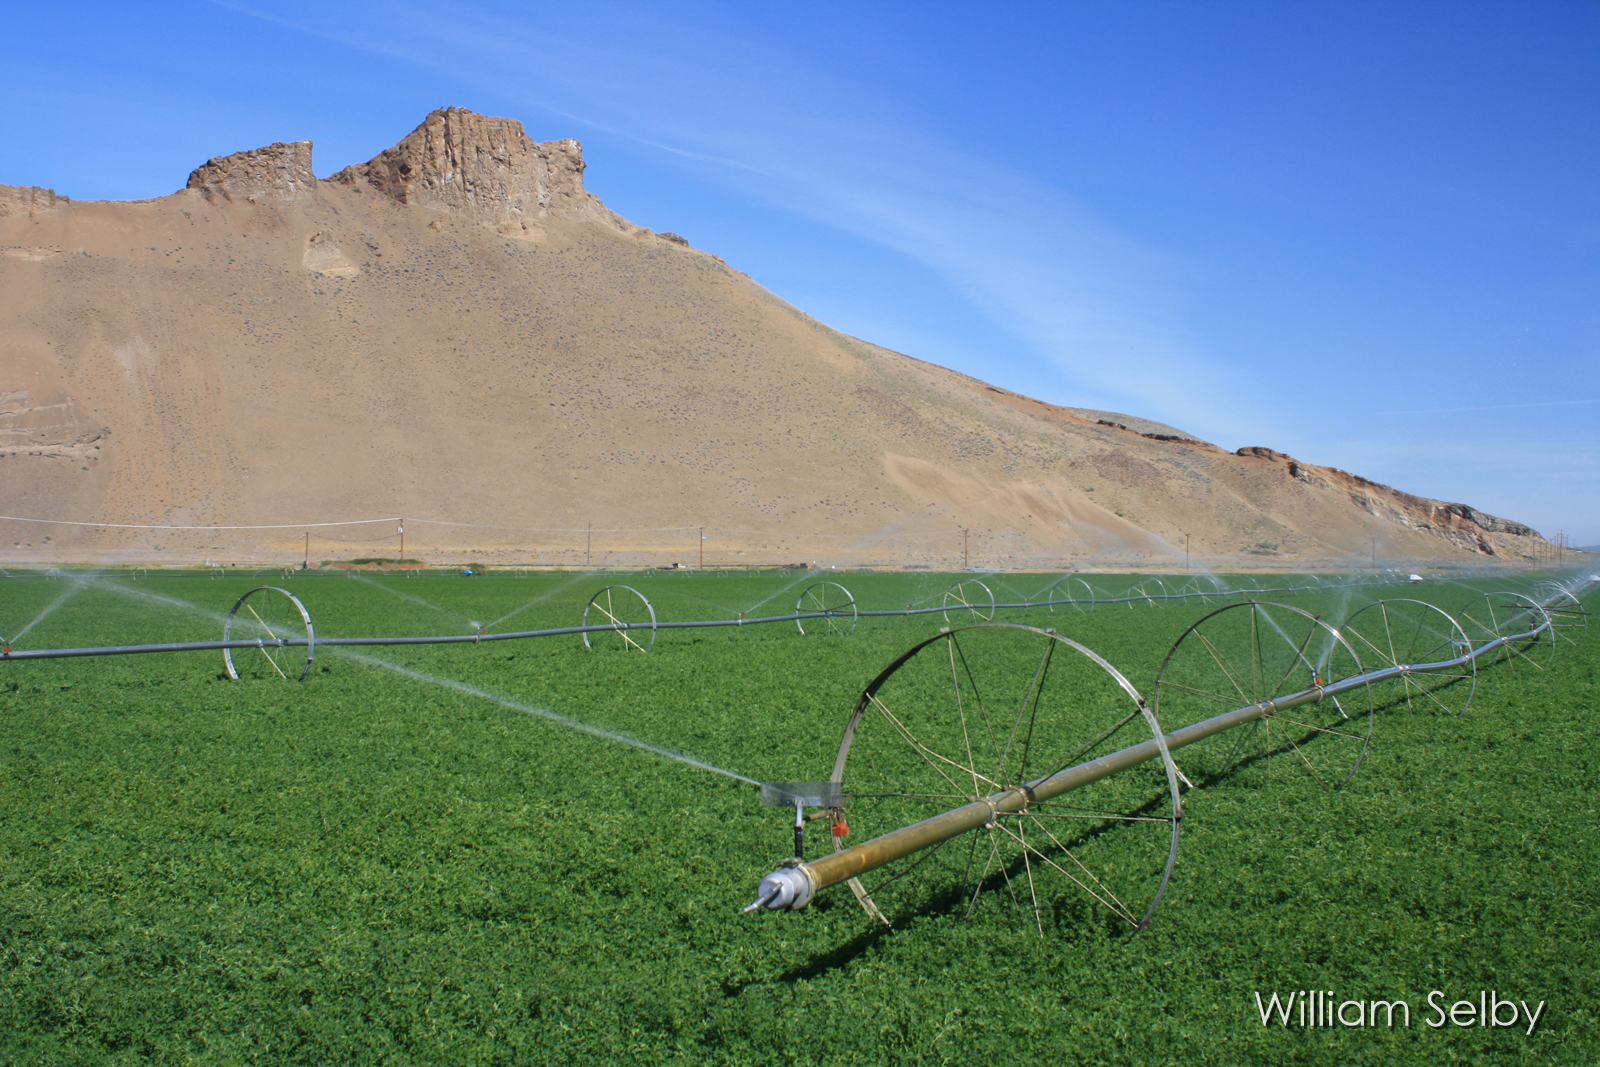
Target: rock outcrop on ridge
(279,171)
(486,169)
(457,331)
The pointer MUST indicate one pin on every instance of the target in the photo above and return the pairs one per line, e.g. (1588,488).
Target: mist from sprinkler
(470,690)
(1013,590)
(205,613)
(1262,612)
(546,595)
(1331,637)
(541,713)
(446,612)
(78,582)
(679,593)
(804,576)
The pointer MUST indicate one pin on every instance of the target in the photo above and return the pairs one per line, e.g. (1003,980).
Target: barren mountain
(458,333)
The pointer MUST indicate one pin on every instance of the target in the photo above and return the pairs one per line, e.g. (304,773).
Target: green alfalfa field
(378,866)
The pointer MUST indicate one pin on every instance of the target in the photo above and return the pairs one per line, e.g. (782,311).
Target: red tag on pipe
(841,828)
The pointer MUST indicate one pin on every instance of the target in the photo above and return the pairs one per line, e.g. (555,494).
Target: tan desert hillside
(456,332)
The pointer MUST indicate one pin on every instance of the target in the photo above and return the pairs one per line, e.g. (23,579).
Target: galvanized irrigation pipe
(7,653)
(793,885)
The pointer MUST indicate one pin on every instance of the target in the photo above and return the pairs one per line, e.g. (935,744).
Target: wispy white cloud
(1098,305)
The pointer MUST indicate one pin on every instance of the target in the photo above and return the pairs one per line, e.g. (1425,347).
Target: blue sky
(1367,234)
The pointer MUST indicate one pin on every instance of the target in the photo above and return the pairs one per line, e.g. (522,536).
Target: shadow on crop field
(1236,759)
(834,959)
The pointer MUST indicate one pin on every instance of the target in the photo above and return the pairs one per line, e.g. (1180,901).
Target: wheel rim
(271,617)
(968,602)
(1086,602)
(1500,615)
(1568,618)
(835,605)
(627,613)
(1248,653)
(1404,633)
(980,709)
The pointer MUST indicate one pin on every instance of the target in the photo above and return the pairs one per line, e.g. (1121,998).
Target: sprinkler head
(787,887)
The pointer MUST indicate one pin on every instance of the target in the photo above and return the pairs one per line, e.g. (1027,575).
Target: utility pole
(588,539)
(702,547)
(963,548)
(402,541)
(307,565)
(1185,551)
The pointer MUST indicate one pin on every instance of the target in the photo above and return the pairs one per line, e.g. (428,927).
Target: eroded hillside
(457,331)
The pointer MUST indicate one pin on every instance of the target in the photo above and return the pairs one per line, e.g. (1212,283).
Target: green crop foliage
(380,865)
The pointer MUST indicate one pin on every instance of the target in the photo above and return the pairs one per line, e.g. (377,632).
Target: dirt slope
(457,332)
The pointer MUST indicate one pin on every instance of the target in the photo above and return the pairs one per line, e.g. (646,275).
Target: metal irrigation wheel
(971,712)
(1410,633)
(1246,654)
(835,606)
(1568,618)
(627,613)
(970,601)
(1511,615)
(1154,591)
(1193,588)
(1085,600)
(279,625)
(1070,592)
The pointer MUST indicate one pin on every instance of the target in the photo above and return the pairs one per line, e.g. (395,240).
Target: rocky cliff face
(27,199)
(486,168)
(278,171)
(1459,524)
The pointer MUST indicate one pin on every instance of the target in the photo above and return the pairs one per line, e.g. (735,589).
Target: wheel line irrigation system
(959,601)
(1506,625)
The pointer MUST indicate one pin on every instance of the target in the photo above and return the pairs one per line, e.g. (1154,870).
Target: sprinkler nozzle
(787,887)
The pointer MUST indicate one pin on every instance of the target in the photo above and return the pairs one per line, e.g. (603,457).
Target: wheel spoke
(977,887)
(1030,707)
(1318,729)
(1228,669)
(1098,891)
(961,713)
(932,758)
(273,662)
(1219,698)
(977,694)
(1033,892)
(1089,814)
(1309,766)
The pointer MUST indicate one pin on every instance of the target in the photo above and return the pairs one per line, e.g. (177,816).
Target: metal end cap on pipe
(786,887)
